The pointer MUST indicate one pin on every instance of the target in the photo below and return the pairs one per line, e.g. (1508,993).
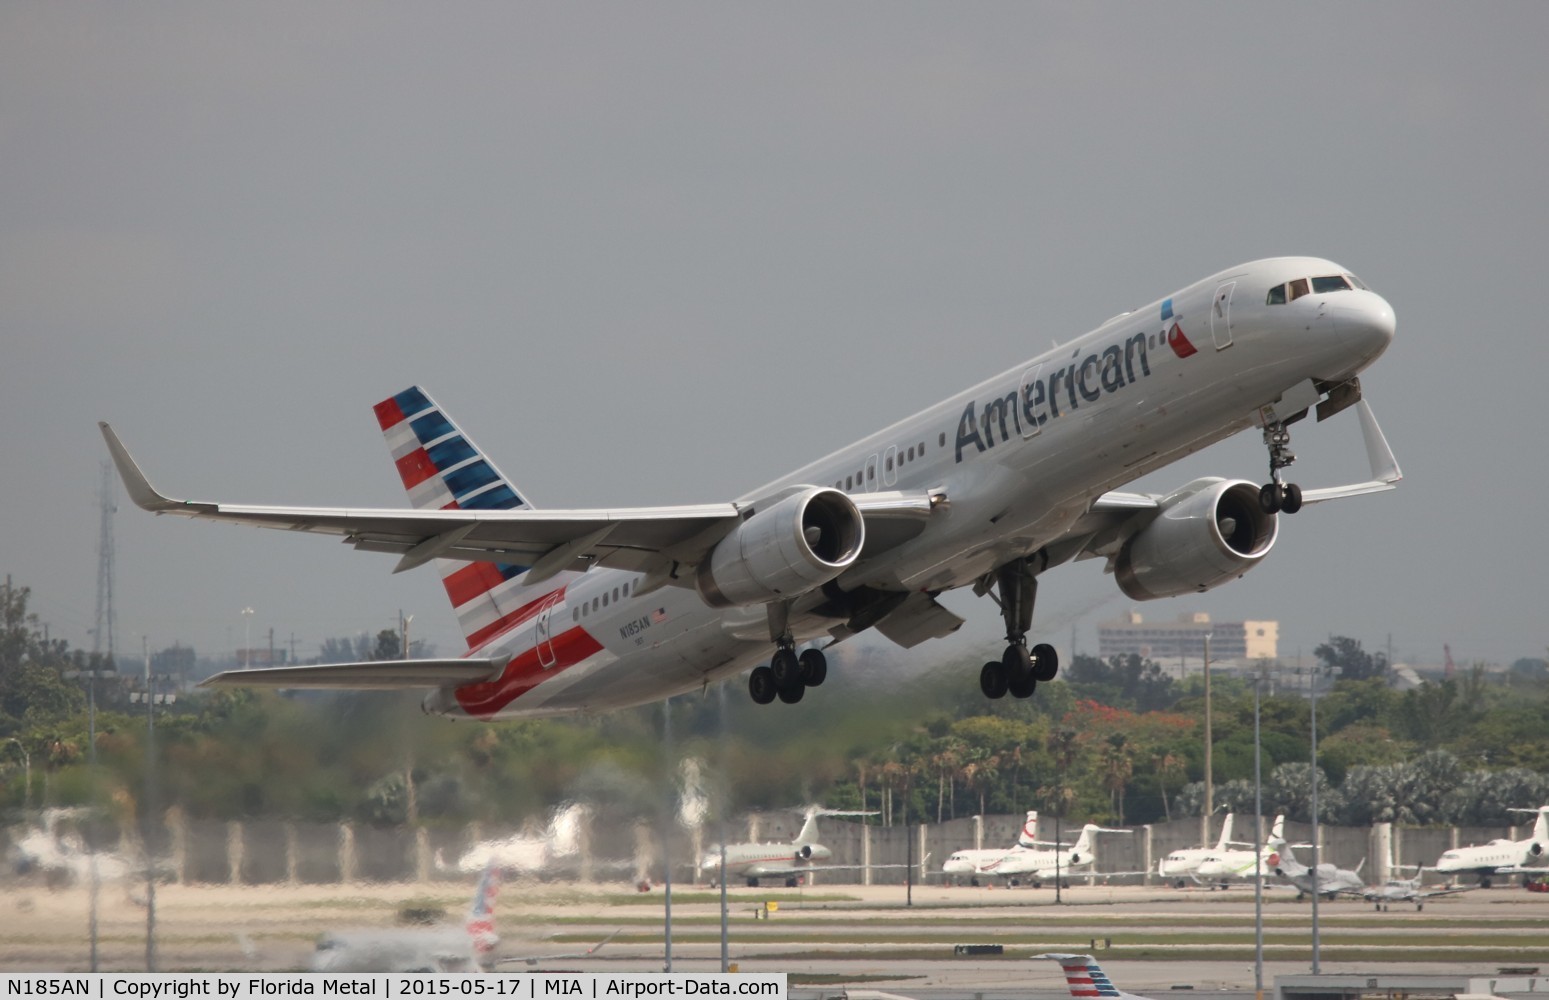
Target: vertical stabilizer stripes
(442,469)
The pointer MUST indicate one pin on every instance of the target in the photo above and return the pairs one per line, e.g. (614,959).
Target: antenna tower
(102,635)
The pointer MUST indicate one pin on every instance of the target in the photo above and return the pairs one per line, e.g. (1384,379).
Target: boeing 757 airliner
(589,610)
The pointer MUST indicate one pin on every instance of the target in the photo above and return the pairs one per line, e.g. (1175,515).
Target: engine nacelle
(1209,532)
(1535,850)
(794,546)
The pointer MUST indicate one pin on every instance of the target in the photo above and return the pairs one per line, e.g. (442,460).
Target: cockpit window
(1293,290)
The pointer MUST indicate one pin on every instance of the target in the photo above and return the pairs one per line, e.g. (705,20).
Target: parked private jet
(1186,860)
(1501,856)
(1220,867)
(588,610)
(1040,866)
(976,861)
(1327,880)
(1405,890)
(787,862)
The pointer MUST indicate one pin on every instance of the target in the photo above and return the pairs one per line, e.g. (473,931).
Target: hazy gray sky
(657,253)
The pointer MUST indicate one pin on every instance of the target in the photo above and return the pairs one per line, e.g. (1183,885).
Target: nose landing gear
(1277,496)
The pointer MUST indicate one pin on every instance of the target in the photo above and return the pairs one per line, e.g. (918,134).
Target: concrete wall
(272,851)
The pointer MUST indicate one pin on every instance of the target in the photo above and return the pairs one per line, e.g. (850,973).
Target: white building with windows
(1183,641)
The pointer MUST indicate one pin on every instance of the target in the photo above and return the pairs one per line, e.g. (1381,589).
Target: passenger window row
(869,474)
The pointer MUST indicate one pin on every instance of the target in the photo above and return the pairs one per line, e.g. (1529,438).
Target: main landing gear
(788,675)
(1276,496)
(1019,669)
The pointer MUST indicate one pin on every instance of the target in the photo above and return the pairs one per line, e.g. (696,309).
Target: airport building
(1183,641)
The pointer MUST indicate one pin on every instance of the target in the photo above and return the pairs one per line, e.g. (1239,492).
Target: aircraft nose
(1367,319)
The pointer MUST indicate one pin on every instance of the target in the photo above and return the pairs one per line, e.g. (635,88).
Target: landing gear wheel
(762,686)
(1046,662)
(1017,661)
(1022,687)
(812,667)
(792,694)
(784,666)
(992,680)
(1269,498)
(1291,498)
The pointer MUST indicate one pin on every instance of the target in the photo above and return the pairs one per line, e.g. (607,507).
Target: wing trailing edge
(374,675)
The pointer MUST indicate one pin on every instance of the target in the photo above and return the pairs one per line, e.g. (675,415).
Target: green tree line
(1116,742)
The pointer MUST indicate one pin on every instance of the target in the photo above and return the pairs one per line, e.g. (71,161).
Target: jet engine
(794,546)
(1209,532)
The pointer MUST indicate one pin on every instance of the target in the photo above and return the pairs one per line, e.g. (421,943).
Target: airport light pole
(151,698)
(1204,820)
(247,641)
(1258,844)
(91,676)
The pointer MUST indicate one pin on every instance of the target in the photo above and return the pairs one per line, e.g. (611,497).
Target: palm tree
(1167,765)
(1117,769)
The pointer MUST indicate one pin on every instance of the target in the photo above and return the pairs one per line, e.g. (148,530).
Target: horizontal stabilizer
(375,675)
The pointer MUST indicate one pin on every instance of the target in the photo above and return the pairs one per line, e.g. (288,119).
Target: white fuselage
(1018,458)
(752,861)
(1485,858)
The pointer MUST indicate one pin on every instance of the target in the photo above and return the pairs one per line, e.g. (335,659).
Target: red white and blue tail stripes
(481,916)
(442,469)
(1086,978)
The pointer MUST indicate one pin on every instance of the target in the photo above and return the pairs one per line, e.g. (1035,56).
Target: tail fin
(1029,835)
(1277,832)
(809,829)
(481,915)
(1086,978)
(1226,833)
(442,469)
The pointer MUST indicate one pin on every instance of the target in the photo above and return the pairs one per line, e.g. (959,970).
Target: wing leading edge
(638,538)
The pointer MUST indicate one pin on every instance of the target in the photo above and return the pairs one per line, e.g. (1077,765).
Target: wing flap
(376,675)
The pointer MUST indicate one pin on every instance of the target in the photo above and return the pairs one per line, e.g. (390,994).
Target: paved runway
(1150,940)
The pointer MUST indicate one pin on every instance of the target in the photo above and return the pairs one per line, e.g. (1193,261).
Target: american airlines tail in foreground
(589,610)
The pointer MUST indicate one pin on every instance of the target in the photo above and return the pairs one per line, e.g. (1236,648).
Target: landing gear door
(1221,316)
(544,635)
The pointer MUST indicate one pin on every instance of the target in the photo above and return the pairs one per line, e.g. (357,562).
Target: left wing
(548,541)
(377,675)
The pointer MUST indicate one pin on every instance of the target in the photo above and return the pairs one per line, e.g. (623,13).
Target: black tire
(752,883)
(1269,498)
(1046,662)
(992,680)
(1017,661)
(791,694)
(1022,687)
(786,669)
(762,686)
(1291,500)
(812,667)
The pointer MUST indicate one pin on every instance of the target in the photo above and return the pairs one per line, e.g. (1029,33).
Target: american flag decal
(658,616)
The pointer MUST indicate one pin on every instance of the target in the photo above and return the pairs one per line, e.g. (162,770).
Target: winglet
(139,488)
